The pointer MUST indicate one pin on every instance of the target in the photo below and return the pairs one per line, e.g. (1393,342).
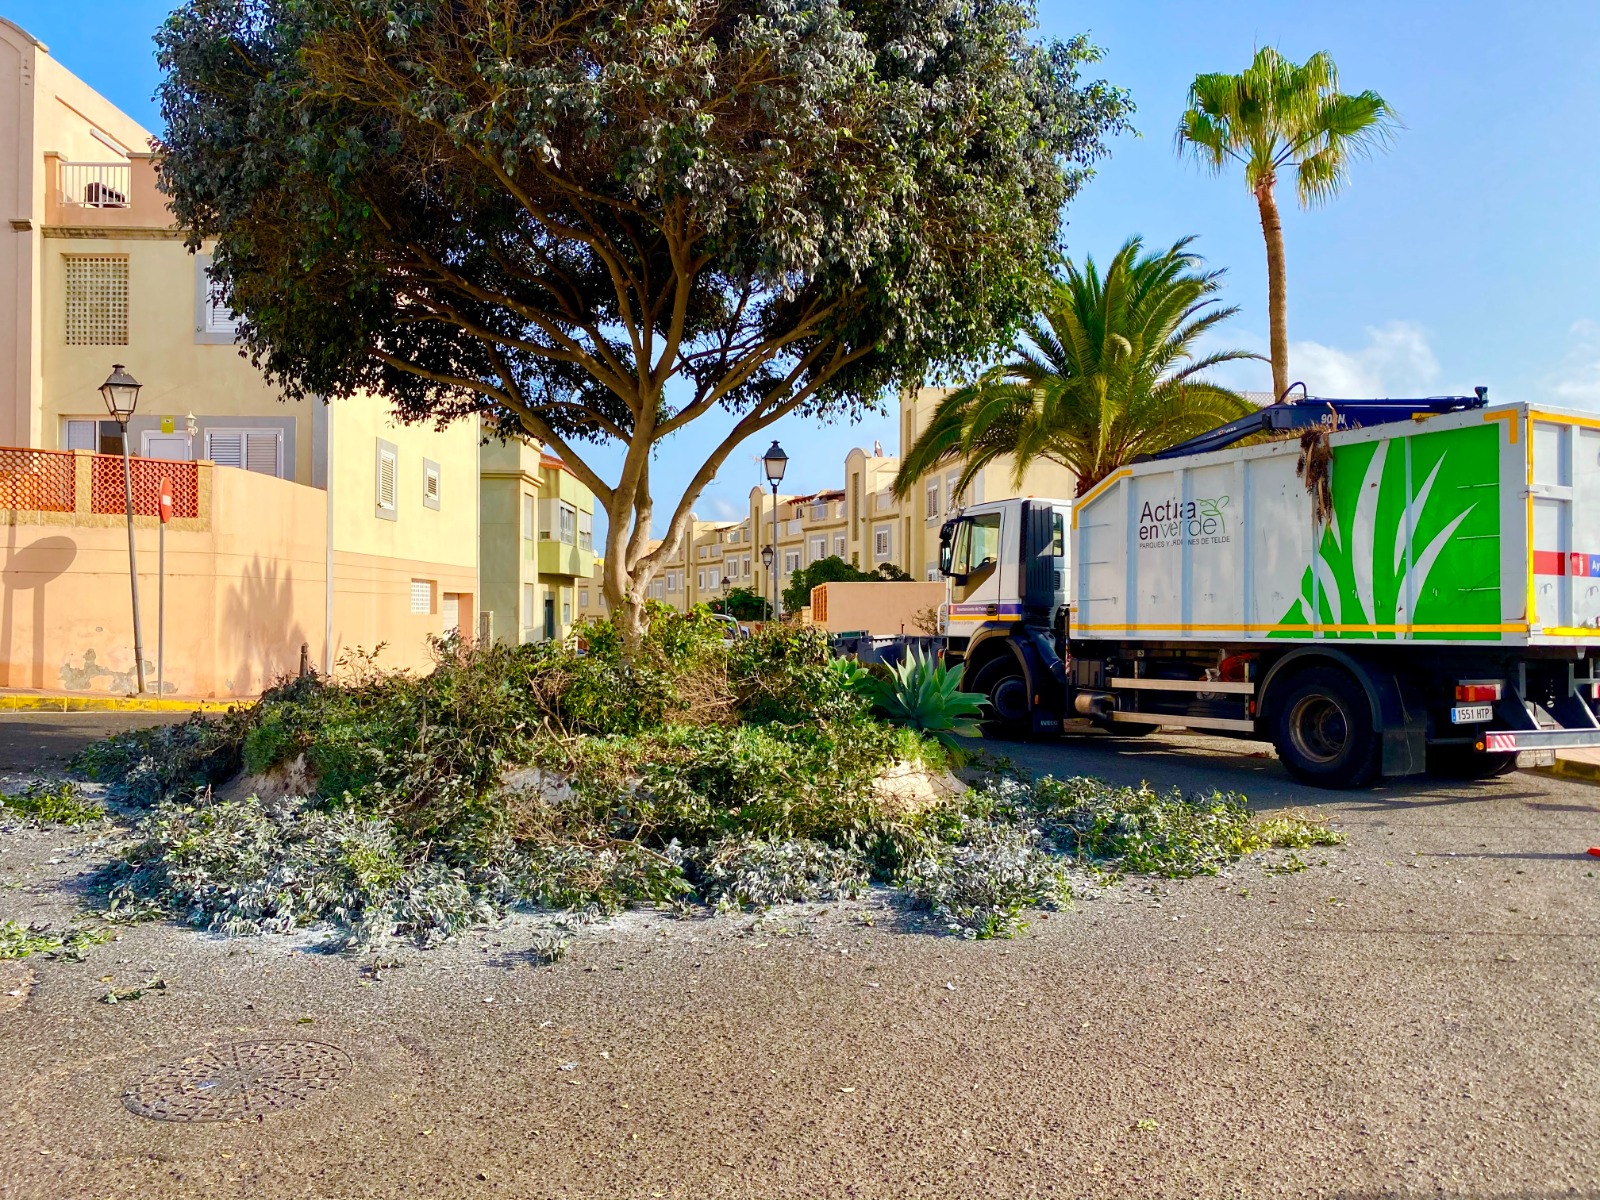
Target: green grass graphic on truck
(1364,573)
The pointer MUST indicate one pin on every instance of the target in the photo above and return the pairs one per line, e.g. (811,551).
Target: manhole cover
(243,1079)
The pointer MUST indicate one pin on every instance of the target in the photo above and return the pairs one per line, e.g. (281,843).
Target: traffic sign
(166,499)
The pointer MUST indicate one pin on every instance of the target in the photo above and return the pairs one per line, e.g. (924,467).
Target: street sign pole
(161,587)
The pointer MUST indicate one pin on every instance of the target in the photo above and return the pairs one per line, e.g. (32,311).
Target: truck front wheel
(1323,729)
(1001,680)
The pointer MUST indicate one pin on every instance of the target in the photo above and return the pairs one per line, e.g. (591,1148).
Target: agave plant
(922,693)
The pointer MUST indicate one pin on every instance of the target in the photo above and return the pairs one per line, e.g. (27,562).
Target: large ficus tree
(599,221)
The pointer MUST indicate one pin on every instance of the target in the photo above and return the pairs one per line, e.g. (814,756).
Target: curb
(69,704)
(1571,769)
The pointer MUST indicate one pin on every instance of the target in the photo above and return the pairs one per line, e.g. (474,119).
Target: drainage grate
(242,1079)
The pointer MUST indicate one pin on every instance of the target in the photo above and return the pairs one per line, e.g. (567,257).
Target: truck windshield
(977,547)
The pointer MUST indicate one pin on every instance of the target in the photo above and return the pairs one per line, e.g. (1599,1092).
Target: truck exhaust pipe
(1099,705)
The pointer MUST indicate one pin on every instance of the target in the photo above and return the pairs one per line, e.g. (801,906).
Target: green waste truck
(1379,588)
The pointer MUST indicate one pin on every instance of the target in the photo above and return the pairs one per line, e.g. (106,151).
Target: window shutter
(225,448)
(261,452)
(388,485)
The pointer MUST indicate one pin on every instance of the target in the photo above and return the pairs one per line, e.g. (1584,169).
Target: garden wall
(883,609)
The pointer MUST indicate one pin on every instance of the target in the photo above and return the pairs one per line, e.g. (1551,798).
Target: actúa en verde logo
(1171,522)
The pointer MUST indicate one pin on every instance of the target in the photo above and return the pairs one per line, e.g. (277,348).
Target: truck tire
(1463,762)
(1323,729)
(1008,715)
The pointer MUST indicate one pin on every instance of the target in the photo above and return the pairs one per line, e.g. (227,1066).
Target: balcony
(104,194)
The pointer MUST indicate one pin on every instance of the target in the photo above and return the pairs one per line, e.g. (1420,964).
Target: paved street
(1417,1018)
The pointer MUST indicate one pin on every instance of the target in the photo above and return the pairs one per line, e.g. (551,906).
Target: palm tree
(1109,372)
(1274,115)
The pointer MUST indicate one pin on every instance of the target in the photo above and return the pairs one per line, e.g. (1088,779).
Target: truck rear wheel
(1323,729)
(1008,715)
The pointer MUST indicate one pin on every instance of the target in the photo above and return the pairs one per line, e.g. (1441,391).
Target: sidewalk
(1577,764)
(27,700)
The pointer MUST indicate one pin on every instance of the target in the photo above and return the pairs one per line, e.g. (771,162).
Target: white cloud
(1576,383)
(1396,361)
(719,509)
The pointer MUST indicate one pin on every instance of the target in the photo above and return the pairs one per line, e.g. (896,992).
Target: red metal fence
(47,481)
(107,495)
(38,480)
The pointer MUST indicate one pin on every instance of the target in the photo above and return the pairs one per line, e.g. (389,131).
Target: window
(794,525)
(933,501)
(258,450)
(450,606)
(388,480)
(583,597)
(882,541)
(791,560)
(530,526)
(530,607)
(931,573)
(567,517)
(421,596)
(977,545)
(101,437)
(952,496)
(566,606)
(672,581)
(713,579)
(744,567)
(430,484)
(838,544)
(585,531)
(97,299)
(216,321)
(819,548)
(700,580)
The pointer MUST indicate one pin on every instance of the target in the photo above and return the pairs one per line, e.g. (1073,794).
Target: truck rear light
(1477,693)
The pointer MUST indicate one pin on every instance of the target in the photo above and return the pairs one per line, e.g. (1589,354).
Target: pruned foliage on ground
(698,772)
(56,802)
(21,941)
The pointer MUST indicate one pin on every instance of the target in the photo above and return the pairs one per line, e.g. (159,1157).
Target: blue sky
(1465,255)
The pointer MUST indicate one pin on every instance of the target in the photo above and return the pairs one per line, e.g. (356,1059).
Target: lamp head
(767,557)
(775,461)
(121,393)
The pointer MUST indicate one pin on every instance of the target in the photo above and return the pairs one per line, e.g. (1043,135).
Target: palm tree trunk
(1277,286)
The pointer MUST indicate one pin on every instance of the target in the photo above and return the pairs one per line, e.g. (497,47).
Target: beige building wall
(246,587)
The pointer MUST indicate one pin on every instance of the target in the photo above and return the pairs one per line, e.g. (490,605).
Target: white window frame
(431,485)
(791,561)
(585,530)
(882,542)
(387,507)
(838,545)
(250,440)
(583,597)
(819,549)
(932,509)
(567,523)
(672,581)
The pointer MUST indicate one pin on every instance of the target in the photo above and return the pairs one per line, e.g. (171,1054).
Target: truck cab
(1005,620)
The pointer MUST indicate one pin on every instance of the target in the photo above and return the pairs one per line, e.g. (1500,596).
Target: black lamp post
(768,556)
(775,461)
(121,394)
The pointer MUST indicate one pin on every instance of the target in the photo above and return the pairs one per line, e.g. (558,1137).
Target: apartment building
(93,273)
(539,566)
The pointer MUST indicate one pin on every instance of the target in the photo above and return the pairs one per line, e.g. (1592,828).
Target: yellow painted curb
(68,704)
(1572,769)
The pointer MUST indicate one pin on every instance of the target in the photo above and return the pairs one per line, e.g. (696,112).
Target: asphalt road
(1418,1017)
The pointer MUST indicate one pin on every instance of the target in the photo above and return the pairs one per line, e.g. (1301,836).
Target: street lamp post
(775,461)
(121,394)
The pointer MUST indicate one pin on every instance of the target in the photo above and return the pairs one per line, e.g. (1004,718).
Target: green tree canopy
(834,569)
(598,221)
(744,604)
(1274,115)
(1110,370)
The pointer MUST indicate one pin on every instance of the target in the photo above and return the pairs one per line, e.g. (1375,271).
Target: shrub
(149,764)
(924,694)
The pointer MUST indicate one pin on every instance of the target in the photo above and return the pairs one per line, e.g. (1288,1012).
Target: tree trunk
(1277,286)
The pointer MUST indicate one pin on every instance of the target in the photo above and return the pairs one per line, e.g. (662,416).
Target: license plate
(1471,714)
